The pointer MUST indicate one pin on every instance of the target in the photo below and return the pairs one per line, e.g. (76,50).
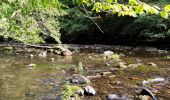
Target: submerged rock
(89,91)
(80,79)
(117,97)
(43,54)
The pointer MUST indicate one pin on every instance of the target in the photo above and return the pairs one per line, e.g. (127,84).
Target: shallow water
(18,82)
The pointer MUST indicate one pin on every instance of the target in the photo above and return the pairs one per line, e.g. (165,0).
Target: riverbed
(45,81)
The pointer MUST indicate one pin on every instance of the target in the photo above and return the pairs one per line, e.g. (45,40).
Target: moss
(75,88)
(115,57)
(146,69)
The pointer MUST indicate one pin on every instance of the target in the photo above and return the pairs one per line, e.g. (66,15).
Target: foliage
(18,20)
(132,8)
(74,22)
(149,27)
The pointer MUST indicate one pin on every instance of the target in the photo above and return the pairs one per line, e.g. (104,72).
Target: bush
(30,21)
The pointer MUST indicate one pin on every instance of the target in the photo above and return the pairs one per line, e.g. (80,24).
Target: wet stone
(152,64)
(89,91)
(108,54)
(80,79)
(117,97)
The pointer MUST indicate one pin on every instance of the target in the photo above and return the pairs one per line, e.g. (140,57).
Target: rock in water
(80,79)
(146,91)
(152,64)
(67,52)
(122,65)
(43,54)
(108,54)
(89,91)
(31,65)
(159,79)
(117,97)
(80,92)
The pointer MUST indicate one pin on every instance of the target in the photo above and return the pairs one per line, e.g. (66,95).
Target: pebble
(117,97)
(31,65)
(67,53)
(43,54)
(80,79)
(144,97)
(31,56)
(122,65)
(89,91)
(80,92)
(152,64)
(105,73)
(94,76)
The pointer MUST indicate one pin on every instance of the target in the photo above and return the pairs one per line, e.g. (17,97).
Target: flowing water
(45,80)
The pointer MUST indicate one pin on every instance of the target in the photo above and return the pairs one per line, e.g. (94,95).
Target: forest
(85,21)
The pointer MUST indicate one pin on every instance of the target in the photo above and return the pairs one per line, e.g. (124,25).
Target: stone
(80,79)
(134,65)
(112,76)
(43,54)
(152,64)
(117,97)
(80,92)
(31,56)
(67,52)
(52,59)
(105,73)
(89,91)
(108,54)
(31,65)
(144,97)
(147,92)
(159,79)
(94,76)
(122,65)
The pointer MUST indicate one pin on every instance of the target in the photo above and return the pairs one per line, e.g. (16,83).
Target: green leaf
(167,8)
(164,14)
(133,2)
(109,1)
